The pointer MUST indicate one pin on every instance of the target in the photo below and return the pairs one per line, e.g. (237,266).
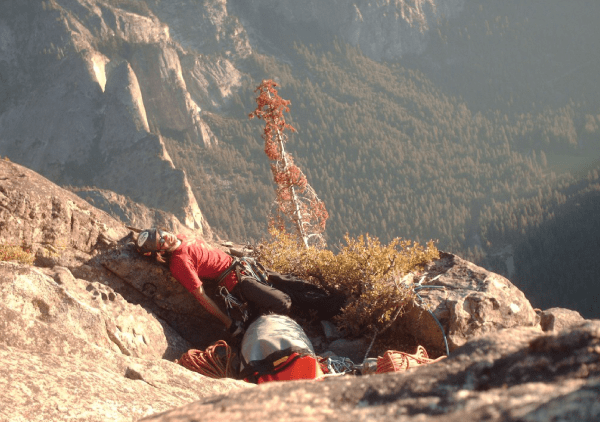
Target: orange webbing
(323,364)
(208,362)
(394,361)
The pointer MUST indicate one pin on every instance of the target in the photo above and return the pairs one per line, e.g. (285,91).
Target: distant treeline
(556,246)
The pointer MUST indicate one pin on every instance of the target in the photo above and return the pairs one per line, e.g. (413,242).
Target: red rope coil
(208,362)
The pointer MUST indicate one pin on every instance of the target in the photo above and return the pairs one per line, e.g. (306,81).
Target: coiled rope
(394,361)
(208,362)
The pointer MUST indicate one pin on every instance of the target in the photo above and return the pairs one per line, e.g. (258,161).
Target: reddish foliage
(295,199)
(270,107)
(272,150)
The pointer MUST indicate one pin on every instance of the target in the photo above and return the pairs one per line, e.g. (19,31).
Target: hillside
(556,260)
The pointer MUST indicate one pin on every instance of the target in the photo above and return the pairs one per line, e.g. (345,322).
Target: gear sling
(243,267)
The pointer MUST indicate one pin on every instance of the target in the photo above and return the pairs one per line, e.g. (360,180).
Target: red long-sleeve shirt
(196,260)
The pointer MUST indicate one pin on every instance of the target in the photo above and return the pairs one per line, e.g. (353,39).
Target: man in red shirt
(192,260)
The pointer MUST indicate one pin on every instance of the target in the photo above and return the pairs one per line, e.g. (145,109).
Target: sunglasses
(161,240)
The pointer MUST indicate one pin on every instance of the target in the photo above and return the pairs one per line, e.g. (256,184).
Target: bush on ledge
(368,273)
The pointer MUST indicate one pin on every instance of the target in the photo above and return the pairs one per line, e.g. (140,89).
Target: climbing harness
(243,267)
(208,362)
(231,301)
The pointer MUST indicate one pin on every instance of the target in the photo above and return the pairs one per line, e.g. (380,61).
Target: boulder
(556,319)
(52,312)
(354,350)
(466,300)
(331,331)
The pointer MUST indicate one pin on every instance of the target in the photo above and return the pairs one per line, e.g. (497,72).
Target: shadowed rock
(556,319)
(513,374)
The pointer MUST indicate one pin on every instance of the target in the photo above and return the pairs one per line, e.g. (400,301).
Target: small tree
(296,203)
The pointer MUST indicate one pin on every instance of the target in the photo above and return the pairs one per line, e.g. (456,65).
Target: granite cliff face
(91,330)
(88,86)
(384,29)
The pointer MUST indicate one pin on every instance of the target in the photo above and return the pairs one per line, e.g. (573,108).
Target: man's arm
(211,306)
(182,270)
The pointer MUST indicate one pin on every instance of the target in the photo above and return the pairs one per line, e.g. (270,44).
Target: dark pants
(265,299)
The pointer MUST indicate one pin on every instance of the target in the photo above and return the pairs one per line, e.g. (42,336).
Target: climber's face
(166,241)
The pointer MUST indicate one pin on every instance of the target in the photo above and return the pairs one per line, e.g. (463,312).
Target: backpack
(276,348)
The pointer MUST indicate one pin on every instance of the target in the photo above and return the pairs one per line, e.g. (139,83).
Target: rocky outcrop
(49,310)
(72,348)
(77,341)
(467,300)
(39,214)
(514,374)
(63,230)
(39,386)
(557,319)
(91,330)
(89,87)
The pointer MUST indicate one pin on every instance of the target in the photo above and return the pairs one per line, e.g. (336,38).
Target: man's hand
(211,306)
(236,329)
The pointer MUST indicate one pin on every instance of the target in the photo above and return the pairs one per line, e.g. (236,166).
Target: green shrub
(364,270)
(21,254)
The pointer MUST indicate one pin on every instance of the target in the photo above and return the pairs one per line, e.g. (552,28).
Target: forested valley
(395,152)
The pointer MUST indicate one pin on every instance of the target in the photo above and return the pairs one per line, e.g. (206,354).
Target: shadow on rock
(151,285)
